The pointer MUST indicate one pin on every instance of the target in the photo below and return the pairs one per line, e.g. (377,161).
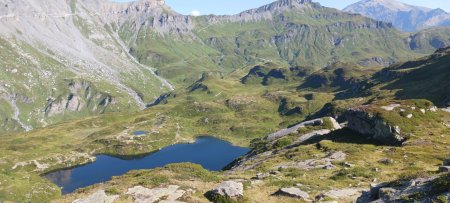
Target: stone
(227,189)
(433,109)
(446,110)
(329,166)
(293,129)
(323,163)
(348,165)
(145,195)
(362,120)
(338,156)
(292,192)
(343,193)
(335,124)
(98,197)
(275,172)
(390,107)
(423,111)
(386,161)
(446,162)
(387,192)
(444,169)
(409,116)
(261,176)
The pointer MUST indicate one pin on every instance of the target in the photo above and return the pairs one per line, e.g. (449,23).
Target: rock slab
(144,195)
(98,197)
(292,192)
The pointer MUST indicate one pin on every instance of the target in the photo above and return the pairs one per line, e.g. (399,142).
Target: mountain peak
(283,5)
(387,4)
(149,3)
(404,16)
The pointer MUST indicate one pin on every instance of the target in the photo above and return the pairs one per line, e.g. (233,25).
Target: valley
(330,106)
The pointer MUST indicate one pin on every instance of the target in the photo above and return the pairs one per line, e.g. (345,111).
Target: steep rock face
(368,123)
(405,17)
(143,14)
(430,39)
(429,189)
(42,45)
(81,95)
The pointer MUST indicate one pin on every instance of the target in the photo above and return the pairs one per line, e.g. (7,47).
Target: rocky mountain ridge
(113,47)
(403,16)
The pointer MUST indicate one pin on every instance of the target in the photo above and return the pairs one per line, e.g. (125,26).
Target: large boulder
(97,197)
(226,191)
(368,123)
(144,195)
(292,192)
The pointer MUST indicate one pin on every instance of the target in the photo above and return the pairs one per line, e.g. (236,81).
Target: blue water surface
(212,153)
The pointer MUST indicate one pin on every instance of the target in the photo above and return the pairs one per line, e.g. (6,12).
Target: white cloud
(195,13)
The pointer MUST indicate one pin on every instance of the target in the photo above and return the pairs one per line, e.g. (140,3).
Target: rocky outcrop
(170,193)
(283,132)
(292,192)
(415,190)
(323,163)
(368,123)
(347,193)
(81,95)
(98,197)
(226,190)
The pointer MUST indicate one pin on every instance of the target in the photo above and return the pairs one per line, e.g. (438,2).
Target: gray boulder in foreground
(226,190)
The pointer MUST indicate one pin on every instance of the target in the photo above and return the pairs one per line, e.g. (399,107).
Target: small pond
(212,153)
(140,133)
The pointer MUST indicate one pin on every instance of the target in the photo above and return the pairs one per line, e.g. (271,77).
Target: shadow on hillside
(345,135)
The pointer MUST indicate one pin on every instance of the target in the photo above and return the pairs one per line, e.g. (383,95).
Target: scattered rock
(337,156)
(308,136)
(433,109)
(444,169)
(386,161)
(292,192)
(348,165)
(287,131)
(335,124)
(446,110)
(423,111)
(398,191)
(324,163)
(145,195)
(98,197)
(228,190)
(390,107)
(261,176)
(343,193)
(409,116)
(446,162)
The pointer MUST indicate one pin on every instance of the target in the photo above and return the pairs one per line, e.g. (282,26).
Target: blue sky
(236,6)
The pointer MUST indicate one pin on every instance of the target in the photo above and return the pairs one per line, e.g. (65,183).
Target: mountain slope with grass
(316,157)
(303,85)
(77,58)
(60,61)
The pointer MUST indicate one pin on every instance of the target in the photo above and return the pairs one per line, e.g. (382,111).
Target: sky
(218,7)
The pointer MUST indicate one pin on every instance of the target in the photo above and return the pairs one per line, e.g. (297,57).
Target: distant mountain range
(405,17)
(76,58)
